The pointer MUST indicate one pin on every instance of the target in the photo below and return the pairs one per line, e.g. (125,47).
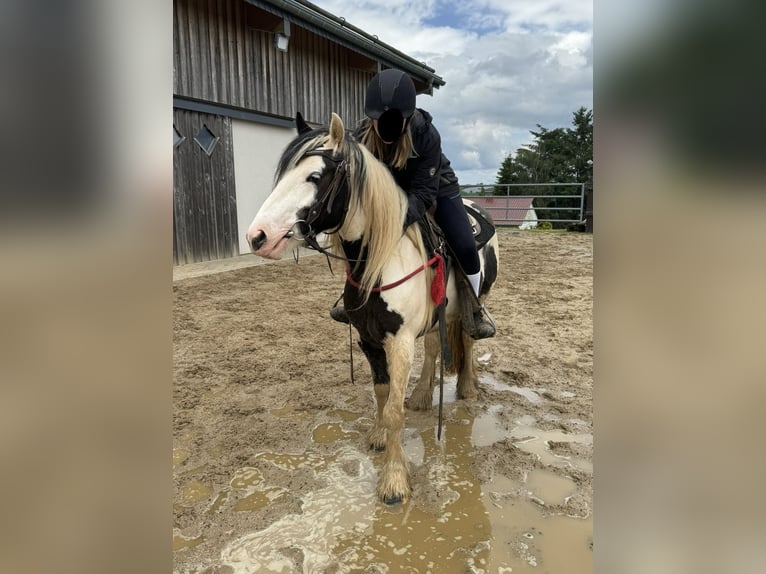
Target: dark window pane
(206,139)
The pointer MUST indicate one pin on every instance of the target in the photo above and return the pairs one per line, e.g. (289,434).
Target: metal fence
(554,202)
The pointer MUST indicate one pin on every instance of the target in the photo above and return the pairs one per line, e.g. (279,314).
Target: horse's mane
(373,192)
(384,205)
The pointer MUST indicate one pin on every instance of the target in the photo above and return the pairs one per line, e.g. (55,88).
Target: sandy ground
(270,467)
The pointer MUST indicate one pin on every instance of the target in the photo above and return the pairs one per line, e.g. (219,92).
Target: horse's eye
(314,177)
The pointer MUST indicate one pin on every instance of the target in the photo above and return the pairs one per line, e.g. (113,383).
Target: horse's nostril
(258,241)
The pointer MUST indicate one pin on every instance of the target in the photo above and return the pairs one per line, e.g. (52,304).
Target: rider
(404,138)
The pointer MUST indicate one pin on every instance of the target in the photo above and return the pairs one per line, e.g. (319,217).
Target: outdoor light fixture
(282,37)
(280,41)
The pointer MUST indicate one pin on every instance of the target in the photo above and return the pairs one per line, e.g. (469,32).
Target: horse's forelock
(298,148)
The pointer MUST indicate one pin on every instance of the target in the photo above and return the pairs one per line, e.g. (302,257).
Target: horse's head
(310,192)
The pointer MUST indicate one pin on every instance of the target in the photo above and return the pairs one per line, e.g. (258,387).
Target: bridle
(326,201)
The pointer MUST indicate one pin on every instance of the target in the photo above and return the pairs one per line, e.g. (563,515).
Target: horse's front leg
(421,398)
(376,356)
(394,480)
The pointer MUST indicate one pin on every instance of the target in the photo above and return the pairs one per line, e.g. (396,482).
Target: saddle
(433,236)
(483,227)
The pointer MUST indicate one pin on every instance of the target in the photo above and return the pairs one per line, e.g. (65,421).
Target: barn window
(177,137)
(206,139)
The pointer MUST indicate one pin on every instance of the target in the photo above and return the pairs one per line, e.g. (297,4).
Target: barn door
(204,195)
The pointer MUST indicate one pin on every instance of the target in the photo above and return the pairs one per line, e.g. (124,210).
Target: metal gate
(513,204)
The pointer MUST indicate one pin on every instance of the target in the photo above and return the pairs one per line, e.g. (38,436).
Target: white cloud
(508,66)
(572,50)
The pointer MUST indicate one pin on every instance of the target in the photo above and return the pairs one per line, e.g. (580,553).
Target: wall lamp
(281,39)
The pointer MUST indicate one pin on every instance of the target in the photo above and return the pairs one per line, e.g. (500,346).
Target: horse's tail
(455,336)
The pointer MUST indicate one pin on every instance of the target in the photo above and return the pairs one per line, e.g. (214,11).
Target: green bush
(545,225)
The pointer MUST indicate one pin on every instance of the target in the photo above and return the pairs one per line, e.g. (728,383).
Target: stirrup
(339,314)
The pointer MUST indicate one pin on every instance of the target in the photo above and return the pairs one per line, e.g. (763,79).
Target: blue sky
(508,65)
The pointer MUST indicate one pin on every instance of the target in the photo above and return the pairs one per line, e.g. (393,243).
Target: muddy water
(453,523)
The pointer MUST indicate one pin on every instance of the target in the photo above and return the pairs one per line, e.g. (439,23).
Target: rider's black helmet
(390,90)
(390,100)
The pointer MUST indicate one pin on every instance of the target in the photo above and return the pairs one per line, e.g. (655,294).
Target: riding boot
(483,328)
(477,321)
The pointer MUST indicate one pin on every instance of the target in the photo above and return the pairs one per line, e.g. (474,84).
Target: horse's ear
(300,124)
(337,131)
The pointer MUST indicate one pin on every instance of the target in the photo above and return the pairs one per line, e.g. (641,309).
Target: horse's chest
(374,320)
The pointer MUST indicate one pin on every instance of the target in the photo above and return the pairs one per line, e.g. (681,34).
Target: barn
(511,210)
(241,71)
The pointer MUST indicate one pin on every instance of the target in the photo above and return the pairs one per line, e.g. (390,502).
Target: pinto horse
(328,183)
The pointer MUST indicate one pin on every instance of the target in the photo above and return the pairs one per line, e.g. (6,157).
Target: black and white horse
(328,183)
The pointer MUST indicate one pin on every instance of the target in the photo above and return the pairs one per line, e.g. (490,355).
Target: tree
(582,145)
(560,155)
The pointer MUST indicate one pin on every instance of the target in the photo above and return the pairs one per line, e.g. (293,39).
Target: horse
(327,182)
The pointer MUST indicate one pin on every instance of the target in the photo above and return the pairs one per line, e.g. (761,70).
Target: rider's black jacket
(428,174)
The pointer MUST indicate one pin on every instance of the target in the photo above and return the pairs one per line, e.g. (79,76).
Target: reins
(430,263)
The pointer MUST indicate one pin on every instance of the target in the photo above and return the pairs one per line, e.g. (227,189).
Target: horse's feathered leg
(376,438)
(421,398)
(376,356)
(394,480)
(467,379)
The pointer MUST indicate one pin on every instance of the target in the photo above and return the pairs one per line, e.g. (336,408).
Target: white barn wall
(257,149)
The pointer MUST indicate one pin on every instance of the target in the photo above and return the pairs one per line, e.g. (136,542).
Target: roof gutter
(311,14)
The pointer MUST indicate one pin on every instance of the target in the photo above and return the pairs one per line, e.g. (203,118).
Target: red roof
(505,210)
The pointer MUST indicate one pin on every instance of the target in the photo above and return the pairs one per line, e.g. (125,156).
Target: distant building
(512,210)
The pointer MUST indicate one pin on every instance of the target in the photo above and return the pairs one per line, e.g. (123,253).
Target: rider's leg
(475,279)
(451,216)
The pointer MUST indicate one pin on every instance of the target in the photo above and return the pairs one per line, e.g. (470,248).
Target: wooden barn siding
(204,200)
(219,58)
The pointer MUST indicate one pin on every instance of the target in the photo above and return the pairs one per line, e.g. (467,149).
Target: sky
(508,65)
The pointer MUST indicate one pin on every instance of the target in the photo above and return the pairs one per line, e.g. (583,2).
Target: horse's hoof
(419,402)
(393,500)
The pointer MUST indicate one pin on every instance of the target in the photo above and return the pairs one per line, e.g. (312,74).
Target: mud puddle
(525,540)
(452,524)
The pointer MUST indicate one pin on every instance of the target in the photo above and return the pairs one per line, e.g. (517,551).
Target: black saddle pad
(481,221)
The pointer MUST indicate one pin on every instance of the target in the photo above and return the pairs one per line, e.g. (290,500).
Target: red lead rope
(437,287)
